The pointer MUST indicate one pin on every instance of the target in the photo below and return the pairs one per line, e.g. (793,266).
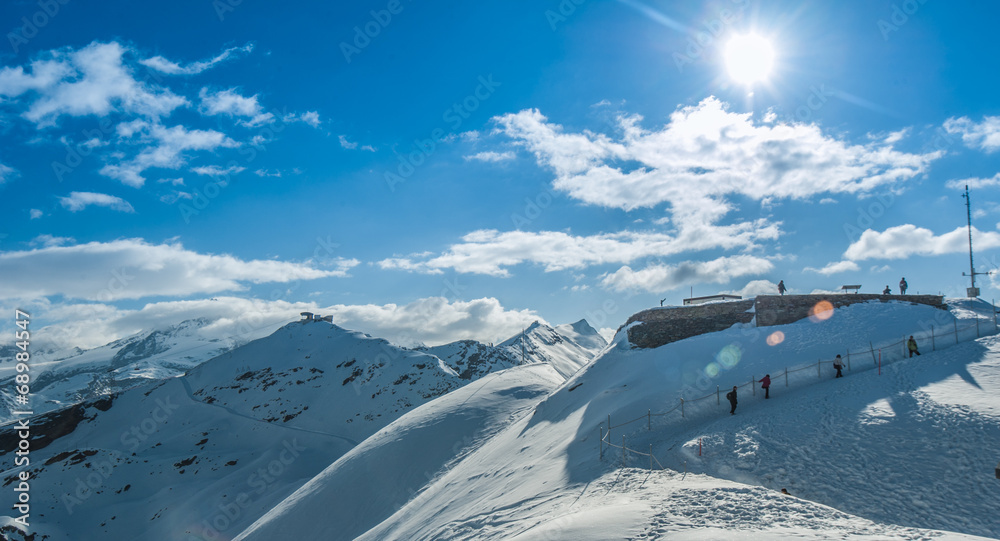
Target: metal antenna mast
(973,291)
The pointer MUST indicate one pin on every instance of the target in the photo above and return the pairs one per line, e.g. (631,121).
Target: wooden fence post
(682,407)
(600,442)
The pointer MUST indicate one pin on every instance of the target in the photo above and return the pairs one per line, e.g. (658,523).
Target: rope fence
(882,353)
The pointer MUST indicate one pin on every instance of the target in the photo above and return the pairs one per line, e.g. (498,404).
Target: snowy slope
(156,463)
(566,347)
(314,375)
(472,360)
(389,468)
(866,455)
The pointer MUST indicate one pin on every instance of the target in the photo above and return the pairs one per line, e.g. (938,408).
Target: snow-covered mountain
(66,377)
(205,454)
(905,453)
(562,346)
(565,347)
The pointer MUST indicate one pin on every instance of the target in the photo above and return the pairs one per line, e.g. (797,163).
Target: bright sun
(749,58)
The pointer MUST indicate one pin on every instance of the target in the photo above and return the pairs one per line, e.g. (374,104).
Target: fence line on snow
(938,341)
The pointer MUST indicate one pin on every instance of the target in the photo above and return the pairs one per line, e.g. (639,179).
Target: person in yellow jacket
(911,345)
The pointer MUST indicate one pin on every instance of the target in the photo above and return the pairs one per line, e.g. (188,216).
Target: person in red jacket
(765,383)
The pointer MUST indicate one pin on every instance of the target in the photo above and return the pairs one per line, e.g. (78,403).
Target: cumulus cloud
(983,135)
(835,267)
(429,321)
(703,156)
(168,67)
(434,320)
(93,80)
(164,148)
(134,269)
(89,325)
(231,103)
(907,240)
(660,278)
(36,213)
(77,201)
(492,252)
(754,288)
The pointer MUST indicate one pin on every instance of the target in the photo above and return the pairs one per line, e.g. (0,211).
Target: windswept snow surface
(377,477)
(902,455)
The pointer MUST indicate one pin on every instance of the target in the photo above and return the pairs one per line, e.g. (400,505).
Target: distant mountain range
(169,444)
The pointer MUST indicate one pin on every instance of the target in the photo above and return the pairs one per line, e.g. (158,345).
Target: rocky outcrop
(665,325)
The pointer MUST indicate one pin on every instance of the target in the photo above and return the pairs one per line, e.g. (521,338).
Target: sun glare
(749,58)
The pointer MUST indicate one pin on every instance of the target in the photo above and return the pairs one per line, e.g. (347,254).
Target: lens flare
(729,356)
(712,370)
(822,311)
(775,338)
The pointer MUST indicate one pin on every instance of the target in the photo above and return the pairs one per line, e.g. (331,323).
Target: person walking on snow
(731,397)
(765,383)
(838,364)
(781,287)
(911,345)
(902,286)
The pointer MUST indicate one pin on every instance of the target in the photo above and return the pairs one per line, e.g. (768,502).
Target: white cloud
(907,240)
(491,157)
(165,149)
(163,65)
(47,240)
(35,214)
(267,173)
(835,267)
(216,171)
(492,252)
(984,135)
(78,201)
(133,269)
(974,182)
(754,288)
(661,278)
(827,201)
(173,181)
(347,144)
(89,325)
(7,173)
(92,80)
(230,103)
(434,320)
(704,155)
(308,117)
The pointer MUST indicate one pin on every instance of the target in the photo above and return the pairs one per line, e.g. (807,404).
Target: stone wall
(665,325)
(784,309)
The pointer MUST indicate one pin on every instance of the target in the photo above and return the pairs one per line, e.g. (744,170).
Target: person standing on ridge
(731,397)
(781,287)
(902,286)
(838,364)
(911,345)
(765,383)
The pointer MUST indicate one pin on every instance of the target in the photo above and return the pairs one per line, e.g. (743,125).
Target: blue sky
(429,172)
